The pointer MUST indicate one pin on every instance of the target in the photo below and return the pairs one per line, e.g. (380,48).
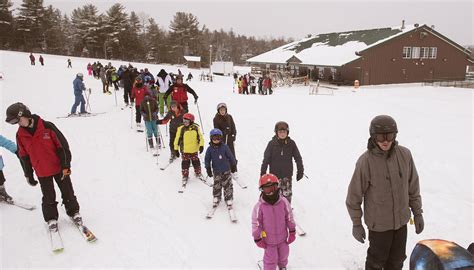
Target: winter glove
(233,168)
(196,100)
(291,237)
(209,172)
(419,224)
(201,148)
(299,175)
(260,243)
(4,195)
(66,172)
(176,153)
(31,180)
(233,136)
(358,232)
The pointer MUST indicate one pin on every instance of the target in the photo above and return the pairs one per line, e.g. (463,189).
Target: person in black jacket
(127,86)
(225,123)
(279,155)
(175,117)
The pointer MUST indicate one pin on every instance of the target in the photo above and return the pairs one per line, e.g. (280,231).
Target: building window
(415,52)
(424,52)
(433,52)
(406,53)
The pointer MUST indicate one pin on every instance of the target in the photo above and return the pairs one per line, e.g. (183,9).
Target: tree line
(118,35)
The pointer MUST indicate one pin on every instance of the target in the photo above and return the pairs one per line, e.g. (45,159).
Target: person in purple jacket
(273,226)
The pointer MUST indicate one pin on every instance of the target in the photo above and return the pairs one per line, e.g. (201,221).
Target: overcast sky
(296,19)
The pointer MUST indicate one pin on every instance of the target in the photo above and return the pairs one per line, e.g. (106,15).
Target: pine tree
(133,46)
(155,45)
(117,21)
(30,21)
(6,24)
(87,40)
(184,35)
(54,36)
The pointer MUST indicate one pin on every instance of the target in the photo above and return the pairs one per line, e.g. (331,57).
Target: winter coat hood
(162,74)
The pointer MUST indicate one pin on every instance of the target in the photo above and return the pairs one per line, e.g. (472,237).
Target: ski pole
(200,120)
(131,116)
(166,125)
(305,176)
(146,141)
(161,136)
(115,93)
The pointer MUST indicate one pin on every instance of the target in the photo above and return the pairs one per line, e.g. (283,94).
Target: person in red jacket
(179,92)
(138,93)
(42,148)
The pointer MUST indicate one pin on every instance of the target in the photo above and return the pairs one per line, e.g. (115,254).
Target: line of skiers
(248,83)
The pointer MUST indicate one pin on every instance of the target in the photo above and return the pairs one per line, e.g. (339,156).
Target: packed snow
(141,220)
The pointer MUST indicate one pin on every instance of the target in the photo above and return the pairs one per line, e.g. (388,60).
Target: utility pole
(210,59)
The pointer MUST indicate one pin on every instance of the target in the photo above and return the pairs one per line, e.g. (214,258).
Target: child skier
(223,163)
(11,146)
(189,141)
(175,117)
(273,226)
(138,94)
(279,154)
(225,122)
(149,111)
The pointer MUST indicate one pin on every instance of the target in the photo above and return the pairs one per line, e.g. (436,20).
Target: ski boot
(216,201)
(53,225)
(77,219)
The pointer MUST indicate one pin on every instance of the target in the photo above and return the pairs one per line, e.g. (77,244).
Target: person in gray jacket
(386,181)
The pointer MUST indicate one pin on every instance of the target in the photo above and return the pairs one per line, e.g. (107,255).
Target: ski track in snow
(141,220)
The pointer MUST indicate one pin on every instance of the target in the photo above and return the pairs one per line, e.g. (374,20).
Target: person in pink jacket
(273,226)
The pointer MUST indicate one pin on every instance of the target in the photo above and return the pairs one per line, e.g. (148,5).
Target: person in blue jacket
(223,163)
(79,87)
(11,146)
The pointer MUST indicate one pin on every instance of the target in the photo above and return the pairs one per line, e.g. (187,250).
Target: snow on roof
(192,58)
(332,49)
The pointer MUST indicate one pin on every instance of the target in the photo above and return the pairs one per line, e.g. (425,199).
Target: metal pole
(199,112)
(210,60)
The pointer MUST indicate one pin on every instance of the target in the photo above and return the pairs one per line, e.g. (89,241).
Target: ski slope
(141,220)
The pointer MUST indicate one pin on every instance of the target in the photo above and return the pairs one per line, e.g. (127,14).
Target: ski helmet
(215,132)
(15,111)
(80,75)
(268,179)
(382,124)
(220,105)
(189,117)
(282,125)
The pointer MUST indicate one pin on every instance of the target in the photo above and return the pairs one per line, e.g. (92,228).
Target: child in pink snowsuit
(273,227)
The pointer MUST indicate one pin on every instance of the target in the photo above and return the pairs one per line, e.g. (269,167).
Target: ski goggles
(385,137)
(269,188)
(13,121)
(216,138)
(187,121)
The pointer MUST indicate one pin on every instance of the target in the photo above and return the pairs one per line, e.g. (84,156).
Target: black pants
(172,136)
(185,106)
(127,94)
(2,178)
(50,211)
(387,249)
(138,115)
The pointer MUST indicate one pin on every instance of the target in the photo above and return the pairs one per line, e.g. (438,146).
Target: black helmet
(282,125)
(383,124)
(15,111)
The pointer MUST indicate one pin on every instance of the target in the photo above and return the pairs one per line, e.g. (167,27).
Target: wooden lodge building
(410,53)
(193,61)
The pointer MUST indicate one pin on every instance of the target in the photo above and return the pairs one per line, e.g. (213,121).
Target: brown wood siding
(194,64)
(384,64)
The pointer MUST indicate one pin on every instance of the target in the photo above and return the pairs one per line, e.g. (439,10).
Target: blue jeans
(79,99)
(151,129)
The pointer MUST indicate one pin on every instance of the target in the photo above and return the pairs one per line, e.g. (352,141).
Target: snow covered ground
(142,221)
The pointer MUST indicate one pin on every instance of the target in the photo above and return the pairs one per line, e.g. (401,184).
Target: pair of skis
(57,242)
(25,206)
(200,178)
(81,115)
(230,210)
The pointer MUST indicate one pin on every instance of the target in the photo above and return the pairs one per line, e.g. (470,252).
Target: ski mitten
(358,232)
(291,237)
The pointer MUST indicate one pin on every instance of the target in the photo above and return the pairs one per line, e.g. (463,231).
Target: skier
(190,77)
(386,181)
(138,94)
(279,154)
(41,59)
(103,79)
(32,59)
(42,148)
(79,87)
(179,92)
(69,63)
(11,146)
(127,86)
(189,141)
(273,226)
(89,69)
(163,81)
(175,117)
(149,111)
(225,122)
(223,163)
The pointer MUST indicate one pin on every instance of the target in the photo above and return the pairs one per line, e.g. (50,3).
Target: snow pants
(172,136)
(276,255)
(286,188)
(387,249)
(50,211)
(223,181)
(151,129)
(127,94)
(138,115)
(189,158)
(79,100)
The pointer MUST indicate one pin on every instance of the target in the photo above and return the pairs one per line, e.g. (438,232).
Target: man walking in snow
(386,181)
(179,92)
(43,149)
(79,86)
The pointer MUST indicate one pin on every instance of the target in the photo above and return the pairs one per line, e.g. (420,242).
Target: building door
(366,80)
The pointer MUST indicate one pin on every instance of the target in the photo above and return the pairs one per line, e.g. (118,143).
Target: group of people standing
(33,59)
(248,84)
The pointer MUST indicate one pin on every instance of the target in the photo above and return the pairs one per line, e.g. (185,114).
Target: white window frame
(433,52)
(424,52)
(406,54)
(415,52)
